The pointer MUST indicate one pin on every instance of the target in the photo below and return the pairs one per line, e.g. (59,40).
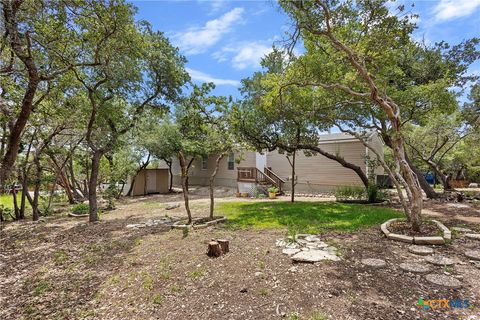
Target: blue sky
(224,40)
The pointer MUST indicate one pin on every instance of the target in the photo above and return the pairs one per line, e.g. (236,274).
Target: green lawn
(7,200)
(310,217)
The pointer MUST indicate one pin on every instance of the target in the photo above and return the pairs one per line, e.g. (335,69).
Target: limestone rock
(473,254)
(314,256)
(440,261)
(374,263)
(474,236)
(444,281)
(290,252)
(460,229)
(420,250)
(414,267)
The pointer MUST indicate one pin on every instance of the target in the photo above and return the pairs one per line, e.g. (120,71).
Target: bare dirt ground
(64,268)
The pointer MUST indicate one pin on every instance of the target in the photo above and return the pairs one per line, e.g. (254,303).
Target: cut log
(224,245)
(214,249)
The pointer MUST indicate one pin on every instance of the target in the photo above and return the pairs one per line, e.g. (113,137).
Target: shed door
(151,181)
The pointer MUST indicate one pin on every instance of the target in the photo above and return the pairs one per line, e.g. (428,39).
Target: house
(314,173)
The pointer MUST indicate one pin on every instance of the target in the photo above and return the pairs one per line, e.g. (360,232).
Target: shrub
(350,193)
(81,208)
(272,190)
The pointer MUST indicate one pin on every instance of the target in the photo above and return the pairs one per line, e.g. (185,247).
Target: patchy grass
(157,299)
(7,200)
(41,287)
(195,274)
(311,217)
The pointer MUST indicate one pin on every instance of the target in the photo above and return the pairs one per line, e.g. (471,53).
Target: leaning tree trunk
(426,187)
(184,168)
(292,199)
(15,203)
(92,187)
(170,187)
(212,180)
(23,197)
(412,185)
(445,179)
(36,190)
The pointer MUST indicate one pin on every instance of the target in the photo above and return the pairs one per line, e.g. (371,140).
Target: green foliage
(157,299)
(197,273)
(110,194)
(376,193)
(351,193)
(41,287)
(81,208)
(6,212)
(273,190)
(305,217)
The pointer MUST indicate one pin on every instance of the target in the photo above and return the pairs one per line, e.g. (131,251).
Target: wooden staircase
(253,174)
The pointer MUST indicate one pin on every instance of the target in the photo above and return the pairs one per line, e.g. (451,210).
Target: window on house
(231,161)
(204,163)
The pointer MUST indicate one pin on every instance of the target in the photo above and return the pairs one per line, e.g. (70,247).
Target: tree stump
(214,249)
(224,245)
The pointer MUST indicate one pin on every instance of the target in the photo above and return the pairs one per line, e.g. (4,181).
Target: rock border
(447,235)
(180,225)
(73,215)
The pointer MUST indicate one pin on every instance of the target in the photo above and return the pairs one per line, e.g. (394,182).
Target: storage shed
(149,181)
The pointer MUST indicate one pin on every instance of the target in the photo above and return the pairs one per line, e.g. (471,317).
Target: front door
(151,181)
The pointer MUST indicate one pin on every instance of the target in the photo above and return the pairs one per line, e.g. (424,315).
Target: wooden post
(223,245)
(214,249)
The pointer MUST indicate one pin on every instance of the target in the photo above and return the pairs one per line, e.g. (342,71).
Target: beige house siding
(315,173)
(224,177)
(377,144)
(318,173)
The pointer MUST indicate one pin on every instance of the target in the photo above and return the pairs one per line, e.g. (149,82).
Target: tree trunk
(445,179)
(73,182)
(92,187)
(212,180)
(23,196)
(169,163)
(184,167)
(224,245)
(52,193)
(36,190)
(412,185)
(21,50)
(214,249)
(426,187)
(142,166)
(15,203)
(292,199)
(66,186)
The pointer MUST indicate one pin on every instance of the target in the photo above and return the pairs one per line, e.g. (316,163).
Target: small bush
(273,190)
(350,193)
(81,208)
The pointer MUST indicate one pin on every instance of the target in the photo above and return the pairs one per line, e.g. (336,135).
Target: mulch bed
(427,229)
(62,269)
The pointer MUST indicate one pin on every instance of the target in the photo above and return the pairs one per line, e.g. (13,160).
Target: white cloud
(198,40)
(215,5)
(203,77)
(244,55)
(452,9)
